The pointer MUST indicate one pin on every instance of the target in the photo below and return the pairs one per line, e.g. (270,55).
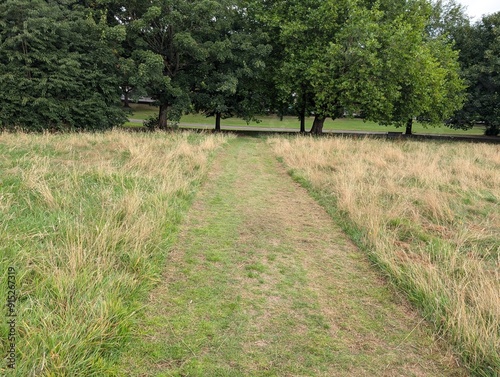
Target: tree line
(66,63)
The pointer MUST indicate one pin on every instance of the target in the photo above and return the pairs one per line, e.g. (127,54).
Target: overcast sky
(476,8)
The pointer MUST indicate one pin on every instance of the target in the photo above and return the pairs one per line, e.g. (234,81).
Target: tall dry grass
(86,221)
(429,215)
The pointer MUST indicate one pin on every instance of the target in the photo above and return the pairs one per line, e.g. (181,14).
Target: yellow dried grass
(85,223)
(430,214)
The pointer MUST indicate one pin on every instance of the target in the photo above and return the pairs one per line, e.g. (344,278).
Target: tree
(365,57)
(479,51)
(137,67)
(344,77)
(229,81)
(447,18)
(169,30)
(303,32)
(58,67)
(408,74)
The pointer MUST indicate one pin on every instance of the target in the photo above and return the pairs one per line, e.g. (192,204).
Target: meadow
(428,214)
(85,222)
(88,222)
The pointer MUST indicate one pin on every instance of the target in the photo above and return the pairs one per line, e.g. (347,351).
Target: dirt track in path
(263,283)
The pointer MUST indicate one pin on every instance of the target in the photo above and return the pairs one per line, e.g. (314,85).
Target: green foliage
(58,70)
(448,17)
(230,80)
(212,57)
(303,31)
(168,29)
(364,57)
(65,63)
(479,56)
(409,74)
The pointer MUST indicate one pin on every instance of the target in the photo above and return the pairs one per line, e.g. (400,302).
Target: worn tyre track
(263,283)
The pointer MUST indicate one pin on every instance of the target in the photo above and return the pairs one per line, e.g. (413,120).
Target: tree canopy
(479,46)
(65,63)
(58,67)
(375,59)
(229,81)
(420,71)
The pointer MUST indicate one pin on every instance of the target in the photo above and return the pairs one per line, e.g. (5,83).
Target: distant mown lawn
(144,111)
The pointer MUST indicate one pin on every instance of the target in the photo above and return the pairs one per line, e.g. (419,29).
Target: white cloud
(477,8)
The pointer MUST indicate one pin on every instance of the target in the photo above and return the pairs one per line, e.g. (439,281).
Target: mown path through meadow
(263,283)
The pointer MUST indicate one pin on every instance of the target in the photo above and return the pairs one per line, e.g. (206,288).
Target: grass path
(263,283)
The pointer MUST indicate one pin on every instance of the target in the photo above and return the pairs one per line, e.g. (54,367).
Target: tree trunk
(303,115)
(126,100)
(409,126)
(317,127)
(162,117)
(217,122)
(302,122)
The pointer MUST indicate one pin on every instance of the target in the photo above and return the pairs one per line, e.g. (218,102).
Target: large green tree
(138,68)
(58,69)
(212,54)
(420,71)
(164,28)
(230,81)
(396,71)
(345,76)
(369,57)
(479,46)
(302,32)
